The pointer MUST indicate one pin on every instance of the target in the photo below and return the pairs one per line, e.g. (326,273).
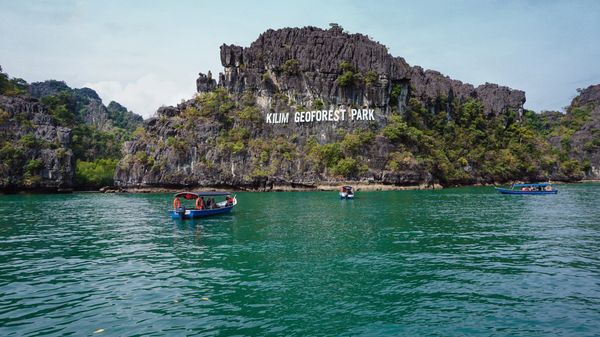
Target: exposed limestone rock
(38,146)
(45,160)
(263,67)
(47,88)
(305,64)
(205,83)
(90,105)
(589,95)
(586,141)
(210,141)
(498,99)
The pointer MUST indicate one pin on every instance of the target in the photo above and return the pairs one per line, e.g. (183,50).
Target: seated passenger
(200,203)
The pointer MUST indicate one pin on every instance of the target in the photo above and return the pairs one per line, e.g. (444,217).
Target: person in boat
(548,188)
(176,203)
(200,203)
(213,203)
(229,201)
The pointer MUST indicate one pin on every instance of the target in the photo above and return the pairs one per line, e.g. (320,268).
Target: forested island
(55,138)
(269,122)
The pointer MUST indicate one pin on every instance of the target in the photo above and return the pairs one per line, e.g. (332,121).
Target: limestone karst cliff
(36,152)
(50,133)
(89,105)
(247,128)
(577,133)
(306,65)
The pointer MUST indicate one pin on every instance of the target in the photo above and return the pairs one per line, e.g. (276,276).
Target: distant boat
(346,192)
(204,204)
(535,189)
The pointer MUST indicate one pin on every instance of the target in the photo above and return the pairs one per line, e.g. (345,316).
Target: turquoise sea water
(455,262)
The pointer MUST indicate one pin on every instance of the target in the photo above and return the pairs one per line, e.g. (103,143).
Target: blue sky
(145,54)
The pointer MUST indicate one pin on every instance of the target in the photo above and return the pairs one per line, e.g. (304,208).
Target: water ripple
(454,262)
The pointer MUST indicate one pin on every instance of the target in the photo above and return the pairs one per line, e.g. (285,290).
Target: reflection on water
(464,261)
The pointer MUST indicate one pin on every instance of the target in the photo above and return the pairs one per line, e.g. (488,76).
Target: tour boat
(535,189)
(205,205)
(346,192)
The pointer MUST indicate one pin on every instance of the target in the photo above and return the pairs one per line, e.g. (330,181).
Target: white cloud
(143,96)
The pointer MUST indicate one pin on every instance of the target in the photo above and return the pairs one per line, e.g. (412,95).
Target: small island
(300,108)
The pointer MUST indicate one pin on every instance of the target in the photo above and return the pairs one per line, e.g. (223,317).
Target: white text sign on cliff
(332,115)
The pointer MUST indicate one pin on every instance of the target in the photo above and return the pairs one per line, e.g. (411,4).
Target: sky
(146,54)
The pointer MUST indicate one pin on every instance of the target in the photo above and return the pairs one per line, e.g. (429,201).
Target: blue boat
(204,205)
(529,189)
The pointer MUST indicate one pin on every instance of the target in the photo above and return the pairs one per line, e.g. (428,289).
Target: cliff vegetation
(54,138)
(427,128)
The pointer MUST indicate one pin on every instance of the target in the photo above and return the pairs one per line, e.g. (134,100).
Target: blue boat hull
(199,213)
(509,191)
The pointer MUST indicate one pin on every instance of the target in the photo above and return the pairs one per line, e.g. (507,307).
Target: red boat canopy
(186,195)
(193,195)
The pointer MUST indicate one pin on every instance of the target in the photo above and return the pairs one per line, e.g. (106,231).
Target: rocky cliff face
(36,153)
(89,106)
(46,127)
(584,144)
(303,106)
(306,64)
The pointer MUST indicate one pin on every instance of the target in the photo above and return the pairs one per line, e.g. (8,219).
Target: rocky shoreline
(323,186)
(278,188)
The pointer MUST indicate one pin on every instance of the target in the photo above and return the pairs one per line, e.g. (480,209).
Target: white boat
(346,192)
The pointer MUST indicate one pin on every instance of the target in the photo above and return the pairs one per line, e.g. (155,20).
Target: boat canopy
(195,195)
(348,187)
(532,185)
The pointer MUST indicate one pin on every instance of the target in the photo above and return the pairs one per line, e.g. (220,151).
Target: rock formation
(584,144)
(304,64)
(36,153)
(89,105)
(123,118)
(205,83)
(43,127)
(238,133)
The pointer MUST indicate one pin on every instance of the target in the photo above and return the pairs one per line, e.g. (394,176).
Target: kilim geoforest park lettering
(321,116)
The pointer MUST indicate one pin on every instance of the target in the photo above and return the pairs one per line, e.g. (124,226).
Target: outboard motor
(181,211)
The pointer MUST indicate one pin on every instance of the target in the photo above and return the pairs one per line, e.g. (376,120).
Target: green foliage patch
(291,67)
(95,173)
(12,86)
